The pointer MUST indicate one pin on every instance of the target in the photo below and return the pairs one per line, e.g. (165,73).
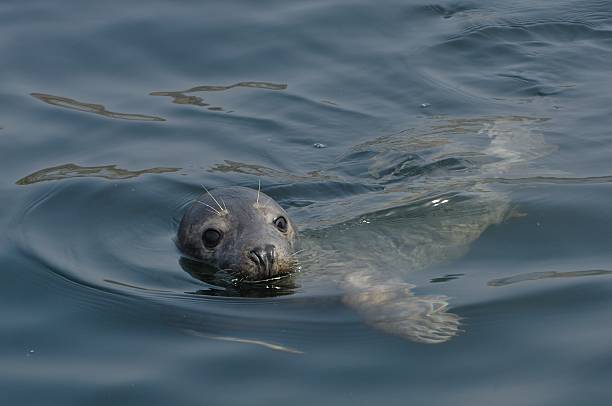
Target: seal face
(241,231)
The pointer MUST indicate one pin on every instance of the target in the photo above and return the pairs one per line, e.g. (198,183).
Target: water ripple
(69,171)
(183,97)
(534,276)
(98,109)
(554,180)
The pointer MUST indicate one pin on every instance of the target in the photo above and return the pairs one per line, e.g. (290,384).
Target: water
(113,115)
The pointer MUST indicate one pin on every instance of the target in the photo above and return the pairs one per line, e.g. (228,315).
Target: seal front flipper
(392,307)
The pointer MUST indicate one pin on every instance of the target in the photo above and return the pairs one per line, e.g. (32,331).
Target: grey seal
(247,235)
(405,202)
(240,231)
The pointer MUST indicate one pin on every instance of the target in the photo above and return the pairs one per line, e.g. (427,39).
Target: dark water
(113,114)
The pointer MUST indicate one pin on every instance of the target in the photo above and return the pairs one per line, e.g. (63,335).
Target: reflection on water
(261,343)
(262,171)
(222,284)
(534,276)
(91,108)
(182,97)
(555,180)
(446,278)
(132,286)
(68,171)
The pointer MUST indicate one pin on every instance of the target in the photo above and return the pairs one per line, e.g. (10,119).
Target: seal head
(241,231)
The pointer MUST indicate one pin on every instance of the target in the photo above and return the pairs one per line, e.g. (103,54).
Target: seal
(405,202)
(241,231)
(247,235)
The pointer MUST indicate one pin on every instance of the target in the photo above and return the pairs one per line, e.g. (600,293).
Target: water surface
(114,114)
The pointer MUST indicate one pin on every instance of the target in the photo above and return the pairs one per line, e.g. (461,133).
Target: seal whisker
(210,207)
(258,190)
(239,279)
(210,194)
(224,206)
(297,252)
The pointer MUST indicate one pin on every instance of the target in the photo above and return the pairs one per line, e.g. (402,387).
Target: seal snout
(264,259)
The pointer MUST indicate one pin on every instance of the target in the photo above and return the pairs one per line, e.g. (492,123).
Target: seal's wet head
(240,231)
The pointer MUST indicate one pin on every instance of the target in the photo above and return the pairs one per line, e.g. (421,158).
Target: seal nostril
(264,258)
(256,256)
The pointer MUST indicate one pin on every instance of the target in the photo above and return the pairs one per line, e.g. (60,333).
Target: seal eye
(211,238)
(281,224)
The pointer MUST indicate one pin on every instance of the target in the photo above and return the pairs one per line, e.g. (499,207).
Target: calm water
(113,114)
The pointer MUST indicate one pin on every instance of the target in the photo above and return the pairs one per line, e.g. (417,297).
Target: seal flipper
(392,307)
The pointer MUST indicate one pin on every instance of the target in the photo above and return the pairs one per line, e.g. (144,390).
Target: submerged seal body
(241,231)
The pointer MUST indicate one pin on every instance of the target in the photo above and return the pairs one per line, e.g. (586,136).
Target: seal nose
(264,258)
